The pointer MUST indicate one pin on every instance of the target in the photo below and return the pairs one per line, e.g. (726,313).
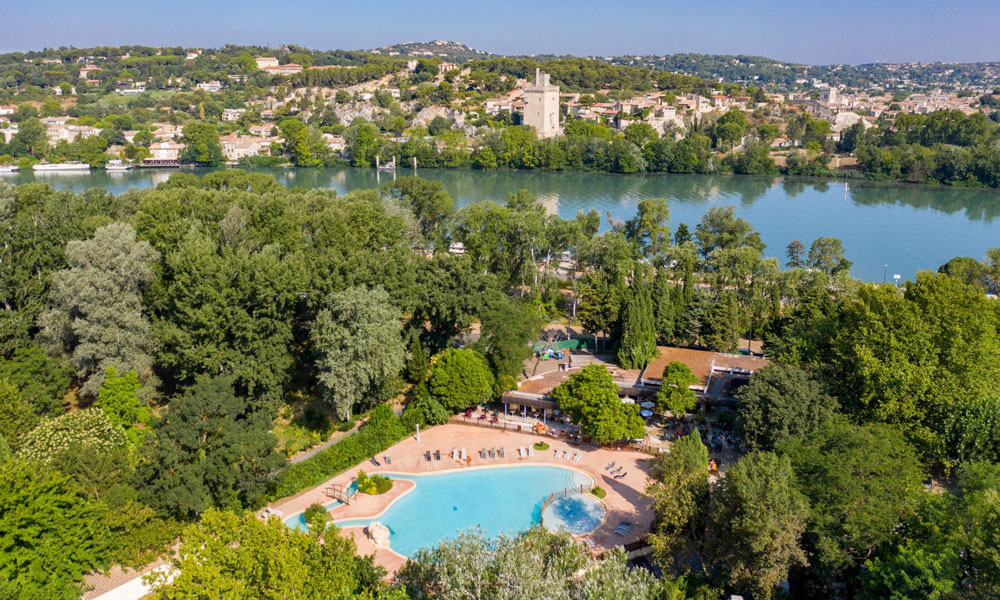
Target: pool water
(502,499)
(576,513)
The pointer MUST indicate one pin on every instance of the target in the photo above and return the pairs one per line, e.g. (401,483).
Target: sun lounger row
(624,528)
(525,452)
(566,454)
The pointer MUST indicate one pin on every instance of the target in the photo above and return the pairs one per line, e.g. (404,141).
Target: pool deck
(624,501)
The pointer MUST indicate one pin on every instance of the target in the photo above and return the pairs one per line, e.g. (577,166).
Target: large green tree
(460,378)
(862,482)
(680,491)
(50,534)
(358,341)
(209,449)
(758,515)
(230,556)
(99,319)
(590,398)
(780,402)
(675,393)
(201,144)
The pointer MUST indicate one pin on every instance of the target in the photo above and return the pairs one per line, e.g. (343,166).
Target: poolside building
(719,374)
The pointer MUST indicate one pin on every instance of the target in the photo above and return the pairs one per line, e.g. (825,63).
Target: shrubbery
(541,446)
(598,491)
(373,484)
(382,430)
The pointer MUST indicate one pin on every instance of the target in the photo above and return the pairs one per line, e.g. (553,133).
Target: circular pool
(576,513)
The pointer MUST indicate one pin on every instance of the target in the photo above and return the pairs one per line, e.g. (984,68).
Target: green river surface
(885,228)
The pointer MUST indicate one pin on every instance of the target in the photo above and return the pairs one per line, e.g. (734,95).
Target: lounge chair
(437,455)
(482,453)
(520,453)
(531,451)
(387,460)
(558,453)
(491,453)
(464,455)
(624,528)
(611,466)
(567,454)
(375,462)
(622,476)
(579,455)
(500,452)
(454,454)
(427,456)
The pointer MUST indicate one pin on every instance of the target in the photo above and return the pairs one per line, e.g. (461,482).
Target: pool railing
(552,498)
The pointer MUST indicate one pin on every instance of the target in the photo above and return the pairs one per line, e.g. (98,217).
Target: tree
(827,255)
(967,270)
(201,144)
(909,358)
(16,416)
(32,133)
(780,402)
(757,518)
(86,430)
(429,202)
(640,133)
(118,398)
(42,380)
(438,125)
(637,345)
(680,491)
(359,345)
(427,408)
(507,328)
(971,431)
(862,482)
(228,555)
(590,398)
(209,450)
(675,393)
(796,253)
(720,228)
(910,573)
(98,317)
(50,534)
(535,564)
(460,378)
(650,228)
(418,364)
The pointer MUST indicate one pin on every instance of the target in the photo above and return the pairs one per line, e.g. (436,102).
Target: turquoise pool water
(503,499)
(575,513)
(298,521)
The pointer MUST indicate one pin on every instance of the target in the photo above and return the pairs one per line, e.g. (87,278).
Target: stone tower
(541,106)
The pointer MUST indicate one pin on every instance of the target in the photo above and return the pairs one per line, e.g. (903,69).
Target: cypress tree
(637,345)
(663,306)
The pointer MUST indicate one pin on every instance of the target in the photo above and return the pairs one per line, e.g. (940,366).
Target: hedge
(382,430)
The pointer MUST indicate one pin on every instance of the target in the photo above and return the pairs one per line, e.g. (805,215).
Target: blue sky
(847,31)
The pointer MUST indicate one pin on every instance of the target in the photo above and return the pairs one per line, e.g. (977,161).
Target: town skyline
(850,33)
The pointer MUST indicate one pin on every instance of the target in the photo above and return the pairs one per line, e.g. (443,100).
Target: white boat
(117,165)
(73,165)
(9,168)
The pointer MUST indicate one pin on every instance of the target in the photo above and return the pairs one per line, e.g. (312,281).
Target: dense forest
(161,349)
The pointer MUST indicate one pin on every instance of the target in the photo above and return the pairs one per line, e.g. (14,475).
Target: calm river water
(907,228)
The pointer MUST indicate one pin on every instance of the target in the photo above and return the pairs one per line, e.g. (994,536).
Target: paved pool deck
(625,500)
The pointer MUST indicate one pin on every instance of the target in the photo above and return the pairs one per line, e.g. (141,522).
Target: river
(885,228)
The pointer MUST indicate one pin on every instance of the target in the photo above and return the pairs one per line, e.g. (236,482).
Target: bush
(382,430)
(598,491)
(316,513)
(373,484)
(541,446)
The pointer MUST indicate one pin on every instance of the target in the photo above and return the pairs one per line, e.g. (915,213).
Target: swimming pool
(501,499)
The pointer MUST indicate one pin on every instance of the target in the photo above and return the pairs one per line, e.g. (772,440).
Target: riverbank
(884,227)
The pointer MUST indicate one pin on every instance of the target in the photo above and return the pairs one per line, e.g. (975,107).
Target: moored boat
(73,165)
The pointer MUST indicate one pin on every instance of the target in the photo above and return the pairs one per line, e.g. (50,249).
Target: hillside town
(366,108)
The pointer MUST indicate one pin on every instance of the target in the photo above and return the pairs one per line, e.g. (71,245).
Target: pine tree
(637,345)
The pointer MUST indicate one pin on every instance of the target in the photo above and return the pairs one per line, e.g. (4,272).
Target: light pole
(884,268)
(418,432)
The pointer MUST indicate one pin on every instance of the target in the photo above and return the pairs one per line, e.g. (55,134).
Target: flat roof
(701,363)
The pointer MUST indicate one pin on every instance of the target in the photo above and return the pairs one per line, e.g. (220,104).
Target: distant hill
(448,51)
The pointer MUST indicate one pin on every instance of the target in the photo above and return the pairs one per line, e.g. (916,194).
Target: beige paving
(624,501)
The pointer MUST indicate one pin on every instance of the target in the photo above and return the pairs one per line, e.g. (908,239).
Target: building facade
(541,106)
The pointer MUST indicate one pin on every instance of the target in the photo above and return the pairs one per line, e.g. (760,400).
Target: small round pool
(576,513)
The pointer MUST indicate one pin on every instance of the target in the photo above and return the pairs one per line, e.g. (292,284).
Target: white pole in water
(418,432)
